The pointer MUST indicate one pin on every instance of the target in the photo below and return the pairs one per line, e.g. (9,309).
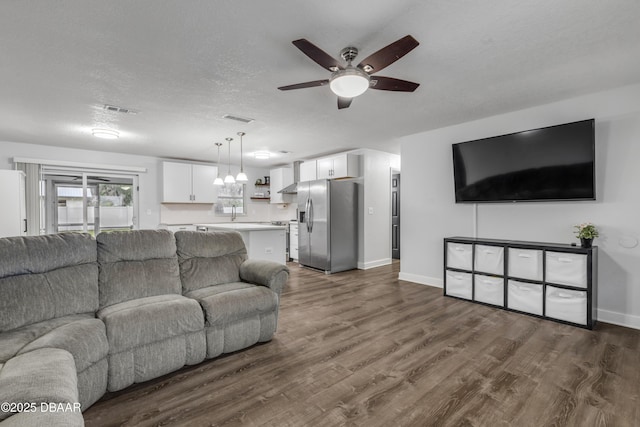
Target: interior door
(395,216)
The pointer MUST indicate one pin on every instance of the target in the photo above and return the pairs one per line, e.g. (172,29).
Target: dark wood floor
(362,348)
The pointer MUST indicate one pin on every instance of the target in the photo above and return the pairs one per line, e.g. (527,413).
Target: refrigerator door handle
(306,209)
(310,221)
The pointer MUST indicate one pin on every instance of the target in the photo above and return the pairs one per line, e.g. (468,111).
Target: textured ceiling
(184,64)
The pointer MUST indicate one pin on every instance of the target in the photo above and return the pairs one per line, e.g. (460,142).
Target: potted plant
(586,232)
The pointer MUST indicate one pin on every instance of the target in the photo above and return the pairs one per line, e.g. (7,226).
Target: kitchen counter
(263,241)
(242,226)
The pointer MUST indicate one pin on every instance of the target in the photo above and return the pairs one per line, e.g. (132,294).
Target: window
(231,200)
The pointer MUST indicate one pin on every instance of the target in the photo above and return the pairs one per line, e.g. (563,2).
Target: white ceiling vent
(117,109)
(238,118)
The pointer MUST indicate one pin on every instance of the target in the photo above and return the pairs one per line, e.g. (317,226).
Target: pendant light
(218,180)
(241,177)
(229,179)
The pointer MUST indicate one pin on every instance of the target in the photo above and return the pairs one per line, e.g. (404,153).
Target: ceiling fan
(348,81)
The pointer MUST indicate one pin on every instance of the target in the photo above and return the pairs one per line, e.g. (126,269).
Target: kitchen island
(263,241)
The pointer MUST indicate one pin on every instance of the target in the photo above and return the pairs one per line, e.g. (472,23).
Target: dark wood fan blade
(388,55)
(344,102)
(389,83)
(305,85)
(321,57)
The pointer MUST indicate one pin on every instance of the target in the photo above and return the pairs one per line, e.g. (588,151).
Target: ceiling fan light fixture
(105,133)
(349,83)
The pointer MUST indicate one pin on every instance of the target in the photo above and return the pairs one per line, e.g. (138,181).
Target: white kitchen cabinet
(203,189)
(188,183)
(553,281)
(293,240)
(263,241)
(13,216)
(339,166)
(280,178)
(308,171)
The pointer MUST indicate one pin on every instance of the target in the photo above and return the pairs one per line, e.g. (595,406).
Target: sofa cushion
(42,277)
(137,264)
(210,258)
(85,339)
(142,321)
(82,335)
(229,302)
(45,375)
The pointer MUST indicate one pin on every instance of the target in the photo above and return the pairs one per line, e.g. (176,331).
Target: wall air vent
(238,118)
(117,109)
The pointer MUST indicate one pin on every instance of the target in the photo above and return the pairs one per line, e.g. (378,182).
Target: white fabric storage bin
(459,255)
(567,269)
(459,284)
(489,259)
(525,297)
(565,304)
(489,289)
(525,263)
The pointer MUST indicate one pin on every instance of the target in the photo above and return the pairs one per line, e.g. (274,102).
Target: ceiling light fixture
(229,179)
(262,155)
(218,180)
(241,177)
(105,133)
(350,82)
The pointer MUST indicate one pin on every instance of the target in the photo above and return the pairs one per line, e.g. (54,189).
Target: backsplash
(178,213)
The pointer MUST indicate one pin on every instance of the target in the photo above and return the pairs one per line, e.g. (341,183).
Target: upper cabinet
(308,171)
(188,183)
(338,166)
(281,178)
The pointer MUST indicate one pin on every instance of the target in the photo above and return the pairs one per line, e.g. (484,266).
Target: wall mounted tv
(548,164)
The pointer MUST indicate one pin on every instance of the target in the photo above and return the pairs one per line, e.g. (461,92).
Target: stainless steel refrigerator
(328,225)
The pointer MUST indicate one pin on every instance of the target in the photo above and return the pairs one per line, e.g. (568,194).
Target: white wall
(374,247)
(152,213)
(430,214)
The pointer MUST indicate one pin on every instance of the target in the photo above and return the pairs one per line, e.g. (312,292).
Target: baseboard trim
(374,264)
(620,319)
(423,280)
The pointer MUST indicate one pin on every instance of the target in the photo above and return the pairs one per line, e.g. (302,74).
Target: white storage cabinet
(293,240)
(308,171)
(13,215)
(188,183)
(338,166)
(553,281)
(280,178)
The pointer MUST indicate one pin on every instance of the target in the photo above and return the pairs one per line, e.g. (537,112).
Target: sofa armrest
(265,273)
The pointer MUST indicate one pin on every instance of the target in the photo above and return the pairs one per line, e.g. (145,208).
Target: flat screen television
(548,164)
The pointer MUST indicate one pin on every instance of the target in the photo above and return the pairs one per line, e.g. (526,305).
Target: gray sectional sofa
(80,316)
